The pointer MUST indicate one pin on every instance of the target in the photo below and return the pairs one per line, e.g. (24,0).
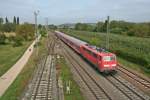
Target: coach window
(86,50)
(89,52)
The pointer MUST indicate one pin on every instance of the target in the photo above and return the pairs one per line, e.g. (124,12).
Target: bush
(84,26)
(116,30)
(2,38)
(17,41)
(11,38)
(8,27)
(43,33)
(138,59)
(26,31)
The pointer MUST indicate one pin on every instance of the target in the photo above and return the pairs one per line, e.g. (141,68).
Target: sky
(73,11)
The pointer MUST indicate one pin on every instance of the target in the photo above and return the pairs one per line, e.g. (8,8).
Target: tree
(139,30)
(1,23)
(104,28)
(1,20)
(52,26)
(8,27)
(26,31)
(6,20)
(2,38)
(149,29)
(84,27)
(14,21)
(43,32)
(121,25)
(17,20)
(17,41)
(39,26)
(99,26)
(77,26)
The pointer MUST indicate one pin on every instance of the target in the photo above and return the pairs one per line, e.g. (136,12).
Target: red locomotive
(104,61)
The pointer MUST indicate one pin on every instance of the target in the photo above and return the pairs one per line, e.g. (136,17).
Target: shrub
(11,38)
(26,31)
(17,41)
(2,38)
(116,30)
(8,27)
(43,33)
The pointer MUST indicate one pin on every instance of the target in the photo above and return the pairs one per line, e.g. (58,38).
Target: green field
(16,89)
(132,49)
(9,55)
(66,76)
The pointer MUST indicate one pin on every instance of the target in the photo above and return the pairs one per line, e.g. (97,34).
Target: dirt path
(7,79)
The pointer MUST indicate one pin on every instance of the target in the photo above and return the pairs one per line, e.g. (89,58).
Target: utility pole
(46,24)
(107,34)
(36,30)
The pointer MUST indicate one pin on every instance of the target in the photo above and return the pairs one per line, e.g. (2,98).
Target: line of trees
(118,27)
(7,26)
(23,32)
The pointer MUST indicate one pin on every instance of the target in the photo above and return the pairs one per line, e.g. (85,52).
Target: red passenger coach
(104,61)
(71,41)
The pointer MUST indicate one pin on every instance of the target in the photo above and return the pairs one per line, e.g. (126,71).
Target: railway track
(127,88)
(43,85)
(46,79)
(137,78)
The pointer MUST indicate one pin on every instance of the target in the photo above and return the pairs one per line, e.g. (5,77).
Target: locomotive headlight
(106,65)
(113,65)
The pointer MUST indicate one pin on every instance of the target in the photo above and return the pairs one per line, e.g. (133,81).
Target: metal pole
(46,24)
(107,34)
(36,31)
(35,19)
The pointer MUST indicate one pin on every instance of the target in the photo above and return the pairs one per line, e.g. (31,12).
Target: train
(103,60)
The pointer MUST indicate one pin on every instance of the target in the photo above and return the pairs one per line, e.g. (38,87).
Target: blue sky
(72,11)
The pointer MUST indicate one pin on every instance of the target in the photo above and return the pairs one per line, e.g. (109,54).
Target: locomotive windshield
(109,58)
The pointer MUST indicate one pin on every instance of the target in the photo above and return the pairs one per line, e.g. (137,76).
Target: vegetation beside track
(14,40)
(66,76)
(133,66)
(9,55)
(132,49)
(15,90)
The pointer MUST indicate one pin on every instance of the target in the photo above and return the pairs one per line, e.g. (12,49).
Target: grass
(133,50)
(9,55)
(15,90)
(132,66)
(66,76)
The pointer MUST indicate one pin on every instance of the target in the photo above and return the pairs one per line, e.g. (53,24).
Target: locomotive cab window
(109,58)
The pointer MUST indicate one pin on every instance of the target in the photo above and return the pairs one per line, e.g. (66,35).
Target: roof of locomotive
(99,51)
(72,39)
